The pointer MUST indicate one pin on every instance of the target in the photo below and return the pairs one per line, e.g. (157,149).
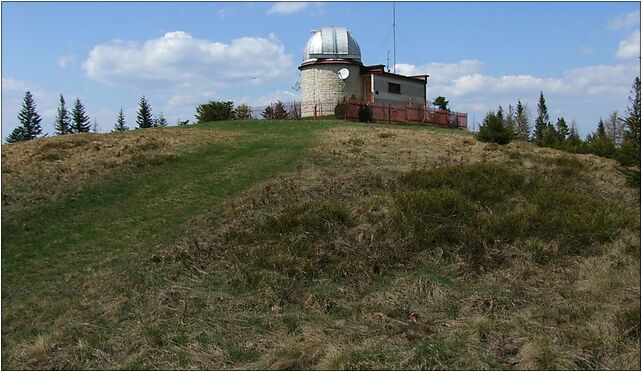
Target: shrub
(242,112)
(433,216)
(214,111)
(493,129)
(365,114)
(275,111)
(340,110)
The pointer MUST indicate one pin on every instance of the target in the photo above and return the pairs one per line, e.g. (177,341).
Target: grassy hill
(315,245)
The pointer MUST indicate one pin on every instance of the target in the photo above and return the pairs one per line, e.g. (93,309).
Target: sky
(583,56)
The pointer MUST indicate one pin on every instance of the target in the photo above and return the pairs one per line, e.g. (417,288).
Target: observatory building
(332,70)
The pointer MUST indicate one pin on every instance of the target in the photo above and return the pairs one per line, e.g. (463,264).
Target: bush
(365,114)
(340,110)
(493,129)
(629,153)
(242,112)
(214,111)
(275,111)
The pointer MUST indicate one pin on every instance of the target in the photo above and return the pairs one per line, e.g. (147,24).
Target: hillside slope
(314,245)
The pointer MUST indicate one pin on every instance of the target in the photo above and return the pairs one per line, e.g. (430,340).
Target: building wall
(411,91)
(321,86)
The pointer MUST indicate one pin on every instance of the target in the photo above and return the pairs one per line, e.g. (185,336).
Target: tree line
(76,120)
(616,138)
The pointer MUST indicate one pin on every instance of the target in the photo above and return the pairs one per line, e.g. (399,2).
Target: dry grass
(310,270)
(41,171)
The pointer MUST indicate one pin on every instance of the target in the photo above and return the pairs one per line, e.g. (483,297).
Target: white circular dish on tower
(343,73)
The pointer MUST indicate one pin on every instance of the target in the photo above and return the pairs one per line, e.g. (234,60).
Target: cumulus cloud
(287,7)
(178,60)
(629,47)
(624,21)
(441,72)
(572,93)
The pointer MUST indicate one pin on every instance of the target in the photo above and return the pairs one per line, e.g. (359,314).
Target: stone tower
(328,51)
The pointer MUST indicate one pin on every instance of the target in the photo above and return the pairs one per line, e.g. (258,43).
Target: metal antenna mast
(394,40)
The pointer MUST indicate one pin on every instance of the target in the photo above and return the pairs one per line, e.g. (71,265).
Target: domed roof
(332,42)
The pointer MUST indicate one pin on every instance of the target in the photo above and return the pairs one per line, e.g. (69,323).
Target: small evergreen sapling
(79,120)
(63,121)
(29,119)
(120,122)
(144,115)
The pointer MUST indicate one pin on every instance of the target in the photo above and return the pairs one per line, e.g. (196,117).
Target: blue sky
(584,56)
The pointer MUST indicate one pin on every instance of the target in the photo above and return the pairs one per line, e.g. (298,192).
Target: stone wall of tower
(322,87)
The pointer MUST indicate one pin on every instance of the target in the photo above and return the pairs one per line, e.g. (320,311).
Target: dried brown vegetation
(386,248)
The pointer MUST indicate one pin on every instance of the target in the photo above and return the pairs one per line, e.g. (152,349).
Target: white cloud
(65,61)
(287,7)
(629,47)
(441,72)
(177,60)
(571,94)
(624,21)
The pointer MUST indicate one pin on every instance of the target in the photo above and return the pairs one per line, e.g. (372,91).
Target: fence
(382,112)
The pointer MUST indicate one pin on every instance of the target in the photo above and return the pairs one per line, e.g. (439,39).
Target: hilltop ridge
(315,245)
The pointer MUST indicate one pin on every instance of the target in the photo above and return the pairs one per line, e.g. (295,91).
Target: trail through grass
(112,223)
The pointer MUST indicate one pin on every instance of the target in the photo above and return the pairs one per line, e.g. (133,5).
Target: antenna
(388,62)
(394,39)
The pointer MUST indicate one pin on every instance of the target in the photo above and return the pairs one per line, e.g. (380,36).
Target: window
(394,88)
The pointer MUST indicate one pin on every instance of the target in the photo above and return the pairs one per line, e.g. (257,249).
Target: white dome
(332,42)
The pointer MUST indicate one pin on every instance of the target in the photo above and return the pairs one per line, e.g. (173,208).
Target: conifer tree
(574,140)
(280,112)
(441,102)
(630,148)
(79,120)
(144,116)
(120,122)
(63,121)
(510,120)
(543,121)
(562,129)
(29,121)
(17,135)
(521,121)
(494,129)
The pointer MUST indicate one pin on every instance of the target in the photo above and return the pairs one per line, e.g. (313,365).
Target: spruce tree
(510,120)
(29,119)
(630,148)
(601,129)
(494,129)
(120,122)
(574,140)
(17,135)
(522,123)
(543,121)
(63,121)
(562,129)
(144,116)
(79,120)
